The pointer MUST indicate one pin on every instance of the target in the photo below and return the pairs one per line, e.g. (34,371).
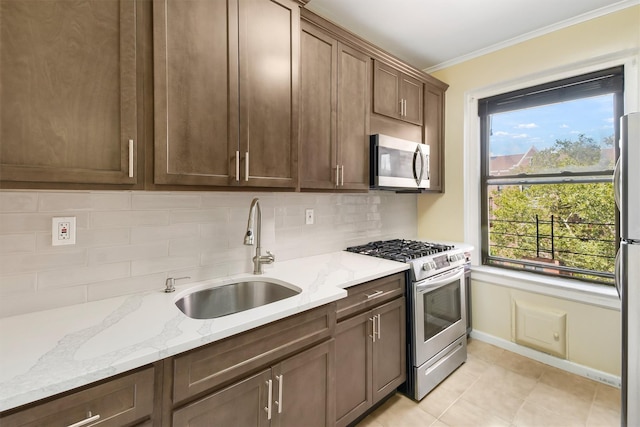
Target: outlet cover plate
(308,217)
(63,231)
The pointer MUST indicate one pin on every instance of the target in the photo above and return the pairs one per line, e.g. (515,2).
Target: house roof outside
(507,164)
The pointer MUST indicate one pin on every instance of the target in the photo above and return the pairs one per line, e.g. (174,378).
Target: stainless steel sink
(233,298)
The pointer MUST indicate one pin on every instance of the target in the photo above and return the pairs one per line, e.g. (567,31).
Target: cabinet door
(354,71)
(195,92)
(303,388)
(386,90)
(269,36)
(353,368)
(318,86)
(239,405)
(389,352)
(411,91)
(68,85)
(434,102)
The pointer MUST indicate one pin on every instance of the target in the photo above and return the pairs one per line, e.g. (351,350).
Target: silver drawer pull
(86,421)
(375,294)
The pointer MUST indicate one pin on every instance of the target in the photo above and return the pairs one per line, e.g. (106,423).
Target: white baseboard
(574,368)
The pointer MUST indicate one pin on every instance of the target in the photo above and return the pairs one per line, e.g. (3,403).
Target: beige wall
(593,332)
(441,216)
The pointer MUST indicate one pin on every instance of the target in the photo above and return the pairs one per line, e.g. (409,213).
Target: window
(548,154)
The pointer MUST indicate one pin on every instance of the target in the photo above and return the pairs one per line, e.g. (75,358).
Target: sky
(514,132)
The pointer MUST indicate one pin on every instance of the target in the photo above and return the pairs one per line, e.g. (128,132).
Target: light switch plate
(63,231)
(308,216)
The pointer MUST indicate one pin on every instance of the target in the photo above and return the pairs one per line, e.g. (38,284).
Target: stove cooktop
(426,259)
(399,249)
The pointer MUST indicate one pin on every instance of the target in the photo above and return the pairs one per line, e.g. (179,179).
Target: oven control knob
(428,266)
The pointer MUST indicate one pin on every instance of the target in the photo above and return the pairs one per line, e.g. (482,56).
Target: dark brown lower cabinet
(370,364)
(297,391)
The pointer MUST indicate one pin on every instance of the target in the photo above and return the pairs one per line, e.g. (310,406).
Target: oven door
(439,313)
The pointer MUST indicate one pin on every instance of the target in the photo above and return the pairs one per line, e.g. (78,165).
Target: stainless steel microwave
(398,164)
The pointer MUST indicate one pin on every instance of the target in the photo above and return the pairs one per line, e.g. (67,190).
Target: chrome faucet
(258,259)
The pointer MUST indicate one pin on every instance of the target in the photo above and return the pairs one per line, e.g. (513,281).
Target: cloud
(563,126)
(609,120)
(500,133)
(520,135)
(527,126)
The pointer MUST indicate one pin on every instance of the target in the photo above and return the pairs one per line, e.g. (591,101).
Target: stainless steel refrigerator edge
(627,192)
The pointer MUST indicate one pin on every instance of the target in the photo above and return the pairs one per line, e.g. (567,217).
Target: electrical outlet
(63,231)
(308,216)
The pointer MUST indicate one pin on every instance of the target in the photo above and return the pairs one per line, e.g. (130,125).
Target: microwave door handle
(418,176)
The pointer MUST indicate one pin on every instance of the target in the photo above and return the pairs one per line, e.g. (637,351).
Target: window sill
(573,290)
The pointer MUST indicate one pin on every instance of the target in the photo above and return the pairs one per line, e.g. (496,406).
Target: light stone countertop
(53,351)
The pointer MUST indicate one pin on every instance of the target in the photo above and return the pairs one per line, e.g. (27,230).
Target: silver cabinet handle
(373,328)
(131,158)
(246,167)
(86,421)
(379,327)
(237,165)
(405,107)
(342,176)
(280,379)
(375,294)
(269,397)
(401,108)
(337,175)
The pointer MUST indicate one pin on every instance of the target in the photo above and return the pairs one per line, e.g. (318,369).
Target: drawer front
(117,402)
(371,294)
(219,363)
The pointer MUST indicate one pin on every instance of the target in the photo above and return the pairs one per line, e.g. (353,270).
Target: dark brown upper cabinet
(226,92)
(396,94)
(334,119)
(68,84)
(434,103)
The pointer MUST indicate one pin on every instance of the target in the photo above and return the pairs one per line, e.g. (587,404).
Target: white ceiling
(431,34)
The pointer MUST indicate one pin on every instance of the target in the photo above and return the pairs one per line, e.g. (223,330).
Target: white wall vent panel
(541,328)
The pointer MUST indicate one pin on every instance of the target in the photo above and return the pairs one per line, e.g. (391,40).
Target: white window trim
(538,283)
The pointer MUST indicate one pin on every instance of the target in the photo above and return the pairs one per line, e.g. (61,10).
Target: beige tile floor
(496,387)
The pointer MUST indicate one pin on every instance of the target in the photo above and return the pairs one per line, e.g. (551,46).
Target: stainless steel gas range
(436,308)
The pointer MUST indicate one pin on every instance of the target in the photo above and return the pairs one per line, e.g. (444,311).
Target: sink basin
(232,298)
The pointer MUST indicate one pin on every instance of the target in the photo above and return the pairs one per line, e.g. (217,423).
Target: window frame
(600,82)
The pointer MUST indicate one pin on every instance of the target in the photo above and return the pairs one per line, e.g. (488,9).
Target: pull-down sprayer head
(249,237)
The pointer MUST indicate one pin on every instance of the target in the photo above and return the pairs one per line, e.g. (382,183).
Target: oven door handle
(440,281)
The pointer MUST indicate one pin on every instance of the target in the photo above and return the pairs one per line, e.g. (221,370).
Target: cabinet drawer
(371,294)
(117,402)
(218,363)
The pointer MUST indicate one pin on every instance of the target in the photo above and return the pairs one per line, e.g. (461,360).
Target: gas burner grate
(399,249)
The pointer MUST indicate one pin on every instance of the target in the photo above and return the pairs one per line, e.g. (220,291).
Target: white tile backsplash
(131,241)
